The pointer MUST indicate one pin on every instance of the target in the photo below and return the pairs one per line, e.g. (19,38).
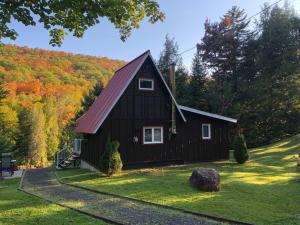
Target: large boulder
(205,179)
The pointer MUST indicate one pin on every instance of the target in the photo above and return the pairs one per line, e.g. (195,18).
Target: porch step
(66,163)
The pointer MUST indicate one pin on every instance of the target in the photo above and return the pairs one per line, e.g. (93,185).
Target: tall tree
(170,55)
(76,16)
(37,144)
(275,105)
(197,86)
(9,129)
(222,52)
(182,84)
(51,126)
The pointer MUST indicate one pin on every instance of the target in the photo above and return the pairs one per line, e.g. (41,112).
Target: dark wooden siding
(138,108)
(198,149)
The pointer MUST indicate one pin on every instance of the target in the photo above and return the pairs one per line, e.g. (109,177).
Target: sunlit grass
(265,190)
(17,207)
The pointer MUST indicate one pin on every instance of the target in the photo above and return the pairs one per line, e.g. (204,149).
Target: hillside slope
(30,74)
(265,190)
(43,92)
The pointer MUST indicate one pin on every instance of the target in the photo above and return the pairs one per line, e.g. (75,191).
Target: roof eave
(212,115)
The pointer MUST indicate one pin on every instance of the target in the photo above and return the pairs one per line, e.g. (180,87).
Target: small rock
(205,180)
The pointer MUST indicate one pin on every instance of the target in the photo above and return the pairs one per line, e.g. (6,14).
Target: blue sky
(184,21)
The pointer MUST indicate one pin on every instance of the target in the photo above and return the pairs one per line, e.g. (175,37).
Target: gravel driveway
(42,182)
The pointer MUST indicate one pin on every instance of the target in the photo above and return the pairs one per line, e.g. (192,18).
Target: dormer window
(146,84)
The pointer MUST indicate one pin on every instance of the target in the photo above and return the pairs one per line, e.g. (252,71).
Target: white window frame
(146,89)
(209,131)
(152,135)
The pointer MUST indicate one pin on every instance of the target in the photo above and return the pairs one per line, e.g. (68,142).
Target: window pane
(205,131)
(157,134)
(147,84)
(148,135)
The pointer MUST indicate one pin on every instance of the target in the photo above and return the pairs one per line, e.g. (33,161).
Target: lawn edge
(216,218)
(65,206)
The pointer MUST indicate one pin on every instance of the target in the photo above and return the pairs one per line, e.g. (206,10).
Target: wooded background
(248,71)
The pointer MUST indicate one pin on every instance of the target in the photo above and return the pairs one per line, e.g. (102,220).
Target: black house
(137,108)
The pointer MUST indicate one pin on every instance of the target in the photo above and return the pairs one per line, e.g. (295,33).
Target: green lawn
(266,190)
(17,207)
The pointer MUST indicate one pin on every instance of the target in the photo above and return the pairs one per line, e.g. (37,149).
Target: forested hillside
(248,72)
(41,92)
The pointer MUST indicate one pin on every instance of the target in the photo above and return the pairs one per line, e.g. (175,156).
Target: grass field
(17,207)
(266,190)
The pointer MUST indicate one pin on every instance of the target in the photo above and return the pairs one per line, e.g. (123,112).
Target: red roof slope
(91,121)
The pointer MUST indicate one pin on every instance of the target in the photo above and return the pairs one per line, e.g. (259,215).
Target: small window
(153,135)
(146,84)
(206,132)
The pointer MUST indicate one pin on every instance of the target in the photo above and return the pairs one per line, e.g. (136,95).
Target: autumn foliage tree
(37,144)
(52,129)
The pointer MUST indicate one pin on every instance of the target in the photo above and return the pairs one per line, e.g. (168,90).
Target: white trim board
(146,89)
(212,115)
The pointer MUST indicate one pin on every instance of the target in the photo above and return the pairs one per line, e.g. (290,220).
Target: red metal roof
(91,121)
(96,114)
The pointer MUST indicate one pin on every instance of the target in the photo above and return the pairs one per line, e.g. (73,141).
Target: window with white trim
(206,131)
(146,84)
(153,135)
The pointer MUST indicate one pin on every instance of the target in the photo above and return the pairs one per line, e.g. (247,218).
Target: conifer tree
(169,55)
(197,86)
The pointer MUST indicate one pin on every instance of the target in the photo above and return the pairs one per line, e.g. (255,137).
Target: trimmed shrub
(240,152)
(111,162)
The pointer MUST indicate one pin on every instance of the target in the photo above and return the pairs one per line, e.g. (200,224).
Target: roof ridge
(144,53)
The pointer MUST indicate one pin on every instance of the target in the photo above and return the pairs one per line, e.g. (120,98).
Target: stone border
(216,218)
(65,206)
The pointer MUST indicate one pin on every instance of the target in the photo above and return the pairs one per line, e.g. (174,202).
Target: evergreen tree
(197,86)
(169,55)
(272,106)
(240,149)
(111,162)
(51,127)
(37,149)
(182,85)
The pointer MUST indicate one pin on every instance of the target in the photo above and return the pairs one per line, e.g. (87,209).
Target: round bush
(240,149)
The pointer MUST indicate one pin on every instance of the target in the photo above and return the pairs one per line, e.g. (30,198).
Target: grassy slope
(266,190)
(17,207)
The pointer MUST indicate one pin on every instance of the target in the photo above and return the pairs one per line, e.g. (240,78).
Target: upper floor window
(206,131)
(153,135)
(146,84)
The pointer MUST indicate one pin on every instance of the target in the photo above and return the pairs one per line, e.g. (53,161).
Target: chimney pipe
(173,90)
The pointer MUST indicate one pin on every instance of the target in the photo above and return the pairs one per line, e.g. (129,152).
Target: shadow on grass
(17,207)
(265,190)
